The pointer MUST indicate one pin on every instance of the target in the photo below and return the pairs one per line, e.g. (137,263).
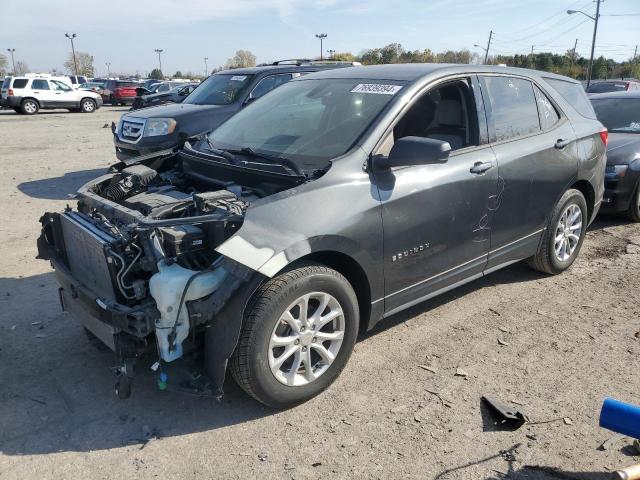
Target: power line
(536,24)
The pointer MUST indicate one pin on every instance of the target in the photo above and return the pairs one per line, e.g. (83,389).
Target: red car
(119,92)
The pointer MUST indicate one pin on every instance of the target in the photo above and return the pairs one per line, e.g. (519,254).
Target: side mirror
(409,151)
(250,99)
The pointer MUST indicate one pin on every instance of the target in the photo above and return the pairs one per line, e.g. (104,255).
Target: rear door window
(574,94)
(40,85)
(513,106)
(20,82)
(548,113)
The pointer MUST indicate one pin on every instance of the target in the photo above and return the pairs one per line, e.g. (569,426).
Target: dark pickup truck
(220,96)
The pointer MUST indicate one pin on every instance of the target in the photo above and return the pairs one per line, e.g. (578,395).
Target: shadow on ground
(59,188)
(57,389)
(528,472)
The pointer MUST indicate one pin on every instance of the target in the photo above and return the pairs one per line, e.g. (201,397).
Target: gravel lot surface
(555,345)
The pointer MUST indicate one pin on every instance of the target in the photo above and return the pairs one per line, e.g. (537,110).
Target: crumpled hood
(623,148)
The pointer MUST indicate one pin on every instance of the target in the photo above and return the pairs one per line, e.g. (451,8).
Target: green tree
(178,74)
(156,73)
(85,64)
(242,59)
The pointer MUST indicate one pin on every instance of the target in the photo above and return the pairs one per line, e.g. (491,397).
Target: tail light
(10,92)
(604,136)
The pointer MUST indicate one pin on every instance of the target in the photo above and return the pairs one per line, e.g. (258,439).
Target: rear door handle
(481,167)
(560,143)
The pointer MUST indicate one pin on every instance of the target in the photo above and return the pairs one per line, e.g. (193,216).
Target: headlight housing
(616,171)
(156,127)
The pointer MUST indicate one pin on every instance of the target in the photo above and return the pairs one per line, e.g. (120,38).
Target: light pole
(486,52)
(108,64)
(321,36)
(331,52)
(73,50)
(206,67)
(13,62)
(159,52)
(595,31)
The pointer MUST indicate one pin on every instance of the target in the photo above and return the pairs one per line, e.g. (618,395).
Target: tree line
(569,64)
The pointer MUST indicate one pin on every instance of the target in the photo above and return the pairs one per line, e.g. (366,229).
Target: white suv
(29,94)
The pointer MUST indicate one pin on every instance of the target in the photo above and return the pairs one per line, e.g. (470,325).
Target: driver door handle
(481,167)
(560,143)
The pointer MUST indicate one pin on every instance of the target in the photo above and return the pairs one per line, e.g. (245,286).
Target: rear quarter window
(20,82)
(6,82)
(574,94)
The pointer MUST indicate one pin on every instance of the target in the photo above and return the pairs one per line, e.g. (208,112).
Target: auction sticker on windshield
(238,78)
(378,88)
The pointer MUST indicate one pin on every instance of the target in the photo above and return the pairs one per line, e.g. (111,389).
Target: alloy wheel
(568,232)
(30,107)
(306,339)
(87,106)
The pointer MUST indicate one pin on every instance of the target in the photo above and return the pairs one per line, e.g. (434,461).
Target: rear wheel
(87,105)
(30,107)
(298,335)
(633,213)
(563,237)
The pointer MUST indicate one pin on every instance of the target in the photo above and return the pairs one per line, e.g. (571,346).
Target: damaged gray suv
(336,200)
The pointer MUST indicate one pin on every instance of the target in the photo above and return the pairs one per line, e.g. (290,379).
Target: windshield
(307,121)
(619,114)
(605,87)
(220,89)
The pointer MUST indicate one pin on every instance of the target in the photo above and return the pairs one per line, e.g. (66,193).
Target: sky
(125,32)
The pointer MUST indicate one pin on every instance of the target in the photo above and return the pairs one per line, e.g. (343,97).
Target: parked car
(119,92)
(28,95)
(175,95)
(336,200)
(97,87)
(219,97)
(620,113)
(77,80)
(604,86)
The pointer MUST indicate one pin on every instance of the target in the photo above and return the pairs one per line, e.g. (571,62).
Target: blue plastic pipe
(620,417)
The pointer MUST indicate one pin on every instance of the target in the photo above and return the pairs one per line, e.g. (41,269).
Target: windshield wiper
(227,155)
(285,162)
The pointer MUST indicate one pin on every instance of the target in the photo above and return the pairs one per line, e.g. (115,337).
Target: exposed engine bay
(139,251)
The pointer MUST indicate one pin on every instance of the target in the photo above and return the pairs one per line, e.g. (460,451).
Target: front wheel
(563,237)
(298,335)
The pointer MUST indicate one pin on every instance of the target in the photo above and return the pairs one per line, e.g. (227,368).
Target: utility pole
(635,54)
(13,62)
(486,52)
(532,49)
(321,36)
(206,67)
(159,52)
(573,53)
(331,52)
(593,43)
(595,31)
(108,64)
(73,50)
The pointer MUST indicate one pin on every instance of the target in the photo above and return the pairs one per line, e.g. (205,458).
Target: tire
(633,213)
(87,105)
(251,364)
(29,107)
(17,109)
(548,259)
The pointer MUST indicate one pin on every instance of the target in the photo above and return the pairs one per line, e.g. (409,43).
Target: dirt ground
(555,345)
